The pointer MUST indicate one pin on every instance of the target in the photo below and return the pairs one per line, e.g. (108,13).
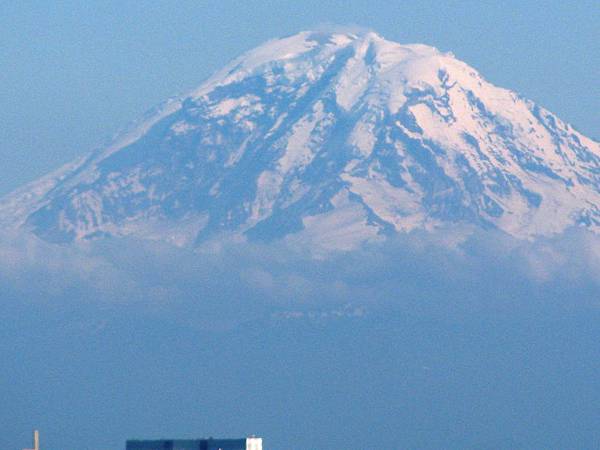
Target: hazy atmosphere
(333,226)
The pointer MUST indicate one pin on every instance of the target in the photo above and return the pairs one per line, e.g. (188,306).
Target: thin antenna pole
(36,441)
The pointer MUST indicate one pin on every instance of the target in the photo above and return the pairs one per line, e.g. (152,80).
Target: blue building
(251,443)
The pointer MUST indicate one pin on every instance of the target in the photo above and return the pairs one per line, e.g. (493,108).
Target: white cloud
(423,272)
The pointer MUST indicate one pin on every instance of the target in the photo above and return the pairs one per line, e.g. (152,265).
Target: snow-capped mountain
(338,137)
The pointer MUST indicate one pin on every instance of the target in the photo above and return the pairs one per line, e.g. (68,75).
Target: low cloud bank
(440,273)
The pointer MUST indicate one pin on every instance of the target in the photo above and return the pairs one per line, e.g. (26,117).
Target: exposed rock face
(336,136)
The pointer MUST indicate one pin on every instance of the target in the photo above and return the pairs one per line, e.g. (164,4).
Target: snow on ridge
(229,104)
(338,135)
(293,49)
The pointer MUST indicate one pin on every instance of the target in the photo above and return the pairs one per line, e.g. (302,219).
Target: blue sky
(73,73)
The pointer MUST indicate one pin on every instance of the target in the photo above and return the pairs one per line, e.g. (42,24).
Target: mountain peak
(334,137)
(313,50)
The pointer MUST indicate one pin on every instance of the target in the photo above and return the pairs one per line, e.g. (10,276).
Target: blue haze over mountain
(337,242)
(334,138)
(76,72)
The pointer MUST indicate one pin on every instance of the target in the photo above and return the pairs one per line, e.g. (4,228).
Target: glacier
(330,139)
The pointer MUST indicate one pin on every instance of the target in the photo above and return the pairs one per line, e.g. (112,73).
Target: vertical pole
(36,440)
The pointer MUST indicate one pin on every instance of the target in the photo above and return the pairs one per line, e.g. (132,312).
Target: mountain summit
(338,137)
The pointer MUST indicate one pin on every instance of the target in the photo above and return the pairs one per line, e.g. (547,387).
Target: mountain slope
(337,137)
